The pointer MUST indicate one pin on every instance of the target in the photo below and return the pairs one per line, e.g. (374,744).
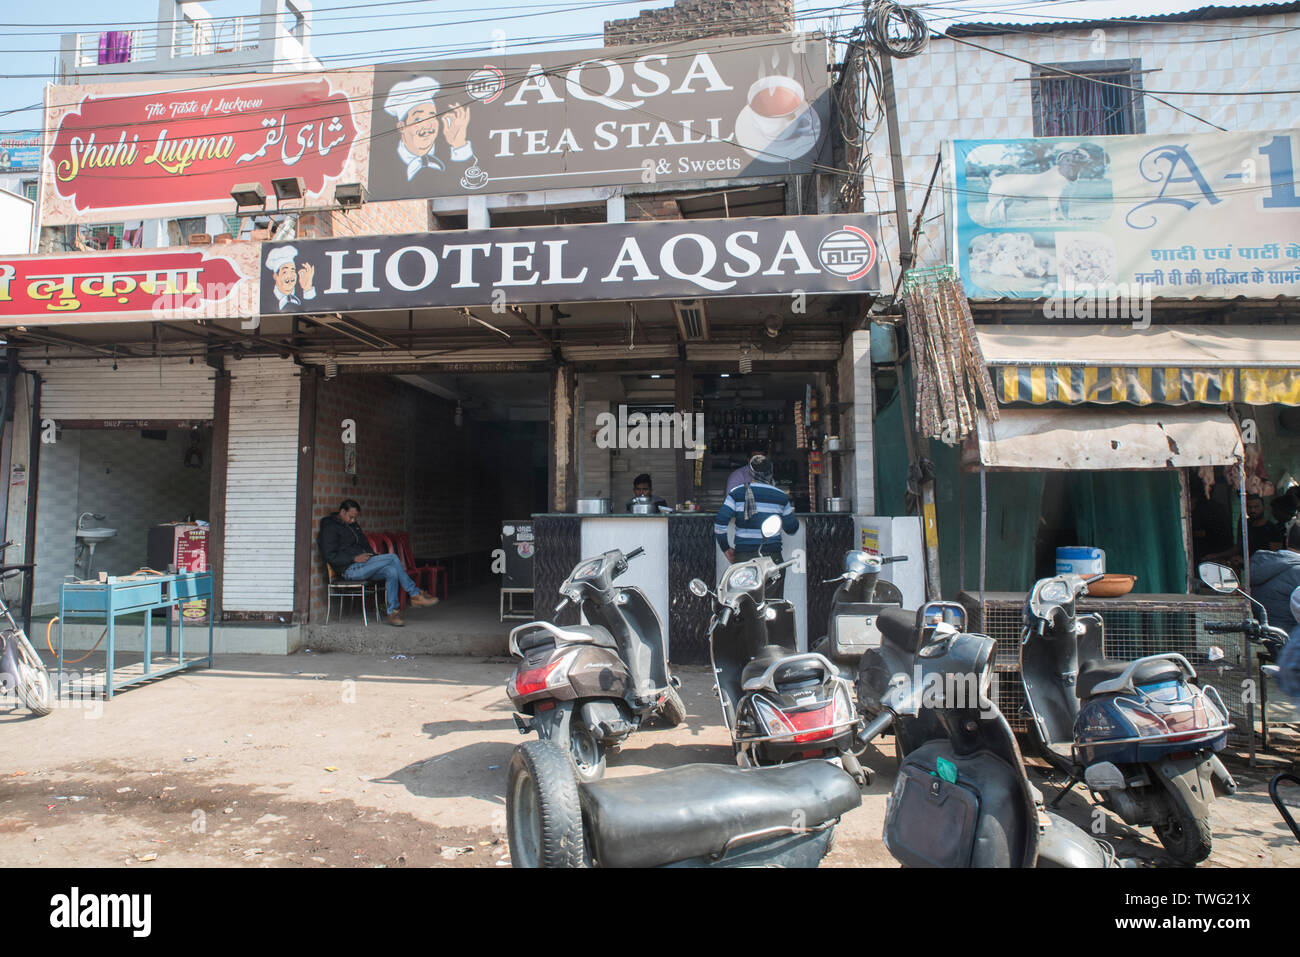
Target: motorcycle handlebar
(636,552)
(1227,627)
(893,558)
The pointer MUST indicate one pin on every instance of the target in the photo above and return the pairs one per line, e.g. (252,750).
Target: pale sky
(431,29)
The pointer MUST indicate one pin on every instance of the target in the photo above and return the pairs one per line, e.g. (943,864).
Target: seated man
(345,547)
(641,485)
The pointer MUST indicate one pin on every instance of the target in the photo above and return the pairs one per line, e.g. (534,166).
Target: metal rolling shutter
(261,486)
(140,389)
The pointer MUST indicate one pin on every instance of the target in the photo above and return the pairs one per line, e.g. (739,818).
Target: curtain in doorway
(1135,517)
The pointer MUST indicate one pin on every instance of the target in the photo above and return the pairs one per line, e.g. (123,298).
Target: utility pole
(919,447)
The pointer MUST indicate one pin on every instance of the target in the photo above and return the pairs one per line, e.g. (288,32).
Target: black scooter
(588,687)
(779,704)
(853,628)
(962,798)
(1142,734)
(699,815)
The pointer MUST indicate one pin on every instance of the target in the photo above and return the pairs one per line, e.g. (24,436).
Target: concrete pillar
(859,422)
(562,457)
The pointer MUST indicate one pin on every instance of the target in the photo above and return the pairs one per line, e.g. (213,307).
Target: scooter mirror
(1221,578)
(771,526)
(698,588)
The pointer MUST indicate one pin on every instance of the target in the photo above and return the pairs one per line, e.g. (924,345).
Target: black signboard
(663,259)
(511,122)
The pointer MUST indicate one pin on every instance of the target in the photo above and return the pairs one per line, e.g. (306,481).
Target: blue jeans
(387,567)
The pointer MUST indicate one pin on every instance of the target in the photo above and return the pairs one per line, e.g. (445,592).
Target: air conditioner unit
(691,319)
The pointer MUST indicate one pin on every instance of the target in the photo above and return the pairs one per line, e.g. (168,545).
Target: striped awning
(1144,385)
(1159,366)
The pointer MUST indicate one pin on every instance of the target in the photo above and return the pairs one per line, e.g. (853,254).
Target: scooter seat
(762,661)
(691,812)
(1096,670)
(592,633)
(898,627)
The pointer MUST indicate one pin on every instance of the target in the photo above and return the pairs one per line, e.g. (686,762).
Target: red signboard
(188,148)
(160,284)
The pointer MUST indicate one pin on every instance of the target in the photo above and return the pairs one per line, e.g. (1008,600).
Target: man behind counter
(642,486)
(747,505)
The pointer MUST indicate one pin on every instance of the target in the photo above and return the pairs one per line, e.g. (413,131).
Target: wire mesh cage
(1132,629)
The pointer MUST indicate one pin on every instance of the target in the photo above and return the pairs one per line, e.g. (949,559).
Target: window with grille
(29,189)
(1094,98)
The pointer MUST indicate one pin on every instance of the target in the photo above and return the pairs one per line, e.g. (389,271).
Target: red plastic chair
(426,576)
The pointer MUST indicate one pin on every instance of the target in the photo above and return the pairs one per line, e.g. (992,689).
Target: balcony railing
(201,38)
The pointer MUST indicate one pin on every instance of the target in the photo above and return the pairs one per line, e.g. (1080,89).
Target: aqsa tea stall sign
(122,151)
(507,122)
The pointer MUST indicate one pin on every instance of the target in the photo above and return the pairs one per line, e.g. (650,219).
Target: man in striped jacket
(747,505)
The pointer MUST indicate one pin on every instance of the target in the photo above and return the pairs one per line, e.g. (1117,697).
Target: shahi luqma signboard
(118,152)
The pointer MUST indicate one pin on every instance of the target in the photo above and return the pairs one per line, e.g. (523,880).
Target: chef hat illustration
(279,256)
(410,93)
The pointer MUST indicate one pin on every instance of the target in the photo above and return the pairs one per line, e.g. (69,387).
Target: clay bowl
(1112,586)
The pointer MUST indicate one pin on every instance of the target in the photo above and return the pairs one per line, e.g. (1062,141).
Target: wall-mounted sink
(93,535)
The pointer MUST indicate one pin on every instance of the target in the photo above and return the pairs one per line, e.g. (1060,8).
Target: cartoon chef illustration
(281,261)
(411,103)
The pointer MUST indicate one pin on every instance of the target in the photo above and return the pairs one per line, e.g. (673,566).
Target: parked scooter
(962,798)
(853,629)
(588,687)
(1223,579)
(1140,733)
(21,668)
(779,704)
(699,815)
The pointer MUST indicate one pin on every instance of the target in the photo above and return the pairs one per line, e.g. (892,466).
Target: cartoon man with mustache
(411,103)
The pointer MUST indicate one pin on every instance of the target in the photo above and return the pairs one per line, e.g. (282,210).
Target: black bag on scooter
(972,822)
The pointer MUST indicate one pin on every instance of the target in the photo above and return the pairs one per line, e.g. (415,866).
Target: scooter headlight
(1055,591)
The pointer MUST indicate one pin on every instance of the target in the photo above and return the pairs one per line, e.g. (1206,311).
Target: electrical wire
(895,30)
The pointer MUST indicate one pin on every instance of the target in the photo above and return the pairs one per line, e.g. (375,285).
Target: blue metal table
(126,596)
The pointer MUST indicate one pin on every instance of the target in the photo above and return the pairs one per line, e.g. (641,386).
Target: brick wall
(690,19)
(448,487)
(372,219)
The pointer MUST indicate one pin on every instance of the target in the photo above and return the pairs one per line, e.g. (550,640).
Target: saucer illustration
(797,139)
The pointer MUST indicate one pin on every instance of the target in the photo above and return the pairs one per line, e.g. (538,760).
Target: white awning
(1254,347)
(1104,440)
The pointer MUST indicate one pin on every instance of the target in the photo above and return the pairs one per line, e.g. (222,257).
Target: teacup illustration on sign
(778,124)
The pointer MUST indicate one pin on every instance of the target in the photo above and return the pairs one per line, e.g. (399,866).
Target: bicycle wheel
(34,688)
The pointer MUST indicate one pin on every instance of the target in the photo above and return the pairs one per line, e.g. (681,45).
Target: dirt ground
(334,760)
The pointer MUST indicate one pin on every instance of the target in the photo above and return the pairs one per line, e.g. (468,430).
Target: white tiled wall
(135,483)
(955,91)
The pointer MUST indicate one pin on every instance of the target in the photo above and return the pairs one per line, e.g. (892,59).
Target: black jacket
(340,543)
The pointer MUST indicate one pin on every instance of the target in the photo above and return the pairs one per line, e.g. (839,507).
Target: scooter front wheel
(1188,839)
(673,710)
(33,687)
(543,810)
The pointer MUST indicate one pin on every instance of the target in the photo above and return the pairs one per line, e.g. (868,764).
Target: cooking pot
(837,505)
(644,505)
(593,506)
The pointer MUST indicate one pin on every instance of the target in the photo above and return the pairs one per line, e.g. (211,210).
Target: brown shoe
(423,601)
(395,619)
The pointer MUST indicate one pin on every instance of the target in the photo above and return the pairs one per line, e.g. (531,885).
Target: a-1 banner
(662,259)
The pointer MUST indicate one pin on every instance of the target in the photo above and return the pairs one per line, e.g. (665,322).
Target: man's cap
(761,467)
(404,96)
(279,256)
